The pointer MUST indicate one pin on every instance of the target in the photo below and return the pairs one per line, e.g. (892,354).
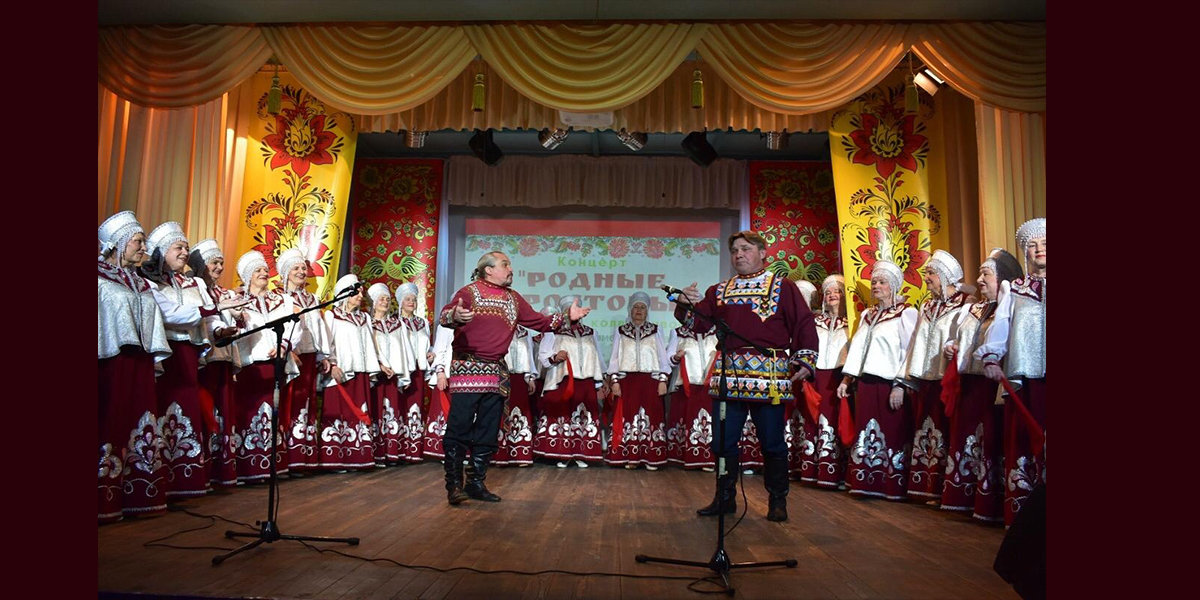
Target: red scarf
(350,403)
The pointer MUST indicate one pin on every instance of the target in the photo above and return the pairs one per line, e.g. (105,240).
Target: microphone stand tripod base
(268,530)
(268,533)
(719,564)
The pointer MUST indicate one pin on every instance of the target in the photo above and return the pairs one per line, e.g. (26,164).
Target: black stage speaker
(485,148)
(697,148)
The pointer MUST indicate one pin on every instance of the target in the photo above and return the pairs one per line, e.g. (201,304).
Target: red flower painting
(300,140)
(887,145)
(902,247)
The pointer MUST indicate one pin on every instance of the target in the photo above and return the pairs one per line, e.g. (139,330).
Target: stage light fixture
(414,138)
(485,147)
(552,139)
(929,81)
(634,141)
(697,148)
(776,140)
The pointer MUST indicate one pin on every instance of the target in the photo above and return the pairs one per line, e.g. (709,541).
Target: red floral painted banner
(296,179)
(793,205)
(396,204)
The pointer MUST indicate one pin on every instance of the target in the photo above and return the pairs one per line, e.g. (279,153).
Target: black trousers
(474,421)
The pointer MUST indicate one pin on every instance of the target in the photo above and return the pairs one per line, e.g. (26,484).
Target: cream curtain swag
(784,67)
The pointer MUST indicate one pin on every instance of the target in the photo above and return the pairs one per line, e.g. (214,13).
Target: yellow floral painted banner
(297,181)
(880,158)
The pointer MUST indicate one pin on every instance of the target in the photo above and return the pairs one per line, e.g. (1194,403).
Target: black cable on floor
(212,520)
(693,580)
(692,585)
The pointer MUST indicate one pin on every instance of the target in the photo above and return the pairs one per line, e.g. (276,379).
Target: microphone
(671,290)
(353,289)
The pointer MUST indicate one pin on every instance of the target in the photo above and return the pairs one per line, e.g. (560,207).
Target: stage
(593,520)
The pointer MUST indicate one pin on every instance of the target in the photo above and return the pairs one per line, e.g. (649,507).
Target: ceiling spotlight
(634,141)
(414,138)
(929,81)
(776,140)
(552,139)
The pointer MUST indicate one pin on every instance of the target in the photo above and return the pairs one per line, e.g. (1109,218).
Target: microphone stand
(720,562)
(268,530)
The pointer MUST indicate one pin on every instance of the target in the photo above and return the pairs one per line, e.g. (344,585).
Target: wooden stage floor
(593,520)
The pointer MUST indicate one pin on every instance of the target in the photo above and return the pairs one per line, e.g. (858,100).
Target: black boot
(454,473)
(775,479)
(477,473)
(725,500)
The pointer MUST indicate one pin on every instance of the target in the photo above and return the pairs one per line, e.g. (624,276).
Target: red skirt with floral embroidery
(343,440)
(300,424)
(515,446)
(129,438)
(569,428)
(216,378)
(878,462)
(639,430)
(184,425)
(927,467)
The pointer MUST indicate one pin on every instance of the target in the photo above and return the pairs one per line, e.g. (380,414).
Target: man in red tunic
(769,311)
(484,315)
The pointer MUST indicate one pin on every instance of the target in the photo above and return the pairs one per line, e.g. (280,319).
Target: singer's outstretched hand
(461,314)
(691,294)
(577,312)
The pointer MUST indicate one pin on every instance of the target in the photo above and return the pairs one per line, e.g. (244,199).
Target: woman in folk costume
(218,366)
(254,391)
(414,403)
(569,428)
(538,338)
(516,427)
(800,426)
(391,346)
(1018,338)
(344,429)
(186,419)
(691,355)
(974,475)
(923,370)
(874,363)
(131,338)
(311,354)
(438,382)
(638,371)
(828,456)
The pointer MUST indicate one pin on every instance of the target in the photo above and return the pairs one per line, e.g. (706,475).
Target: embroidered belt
(753,377)
(474,375)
